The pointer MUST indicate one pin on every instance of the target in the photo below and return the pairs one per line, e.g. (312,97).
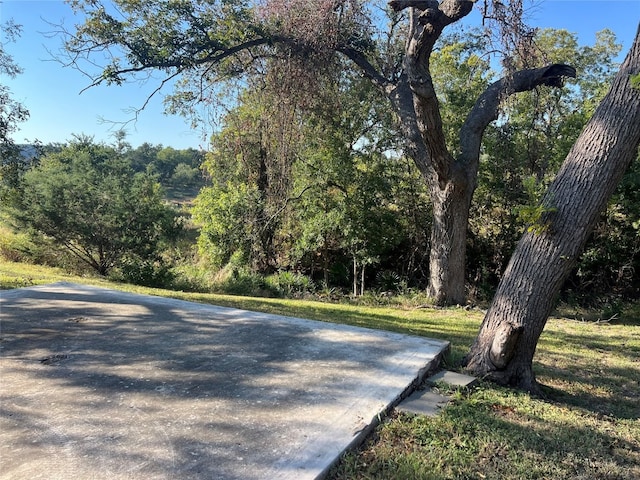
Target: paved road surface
(100,384)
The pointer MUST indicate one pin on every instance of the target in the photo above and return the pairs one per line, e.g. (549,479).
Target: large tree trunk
(451,180)
(450,199)
(448,243)
(504,348)
(447,252)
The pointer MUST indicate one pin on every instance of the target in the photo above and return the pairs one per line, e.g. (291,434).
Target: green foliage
(364,204)
(33,247)
(290,284)
(312,190)
(349,208)
(18,246)
(176,168)
(635,81)
(12,113)
(390,281)
(327,187)
(535,214)
(185,176)
(610,261)
(150,272)
(314,181)
(524,149)
(225,213)
(249,167)
(172,36)
(240,280)
(81,198)
(323,190)
(460,75)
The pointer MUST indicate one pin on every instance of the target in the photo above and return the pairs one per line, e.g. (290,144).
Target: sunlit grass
(588,427)
(17,275)
(499,434)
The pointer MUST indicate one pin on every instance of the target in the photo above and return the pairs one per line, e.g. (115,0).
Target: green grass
(587,427)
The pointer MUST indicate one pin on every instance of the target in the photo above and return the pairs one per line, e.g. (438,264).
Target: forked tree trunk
(504,348)
(451,179)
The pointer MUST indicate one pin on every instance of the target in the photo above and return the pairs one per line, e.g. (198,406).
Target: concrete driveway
(101,384)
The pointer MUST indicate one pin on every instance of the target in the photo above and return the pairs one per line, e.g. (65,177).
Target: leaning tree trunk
(504,348)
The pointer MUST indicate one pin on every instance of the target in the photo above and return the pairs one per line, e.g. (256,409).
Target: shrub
(146,272)
(241,281)
(88,199)
(290,284)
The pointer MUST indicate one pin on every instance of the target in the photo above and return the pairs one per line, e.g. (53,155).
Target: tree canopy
(12,113)
(87,198)
(198,45)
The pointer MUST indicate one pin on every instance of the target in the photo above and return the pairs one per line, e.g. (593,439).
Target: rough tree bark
(504,348)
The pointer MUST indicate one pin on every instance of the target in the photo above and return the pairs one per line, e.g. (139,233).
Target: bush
(289,284)
(241,281)
(87,198)
(191,277)
(390,281)
(145,272)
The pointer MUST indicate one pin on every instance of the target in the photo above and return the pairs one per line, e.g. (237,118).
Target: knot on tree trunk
(504,344)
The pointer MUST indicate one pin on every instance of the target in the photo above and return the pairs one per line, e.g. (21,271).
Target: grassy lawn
(588,426)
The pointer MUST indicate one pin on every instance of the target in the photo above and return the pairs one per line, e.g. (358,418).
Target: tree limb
(401,98)
(368,70)
(486,108)
(399,5)
(426,28)
(183,64)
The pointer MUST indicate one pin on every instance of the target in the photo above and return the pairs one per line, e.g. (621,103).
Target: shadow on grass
(614,394)
(495,433)
(591,368)
(530,430)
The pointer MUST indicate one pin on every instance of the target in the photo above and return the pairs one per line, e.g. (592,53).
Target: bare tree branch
(367,68)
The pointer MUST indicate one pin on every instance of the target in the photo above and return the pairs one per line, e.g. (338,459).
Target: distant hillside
(28,151)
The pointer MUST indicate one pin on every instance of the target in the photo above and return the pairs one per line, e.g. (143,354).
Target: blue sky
(59,109)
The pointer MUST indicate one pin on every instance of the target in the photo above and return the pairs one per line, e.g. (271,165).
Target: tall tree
(305,193)
(350,181)
(544,257)
(204,42)
(249,168)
